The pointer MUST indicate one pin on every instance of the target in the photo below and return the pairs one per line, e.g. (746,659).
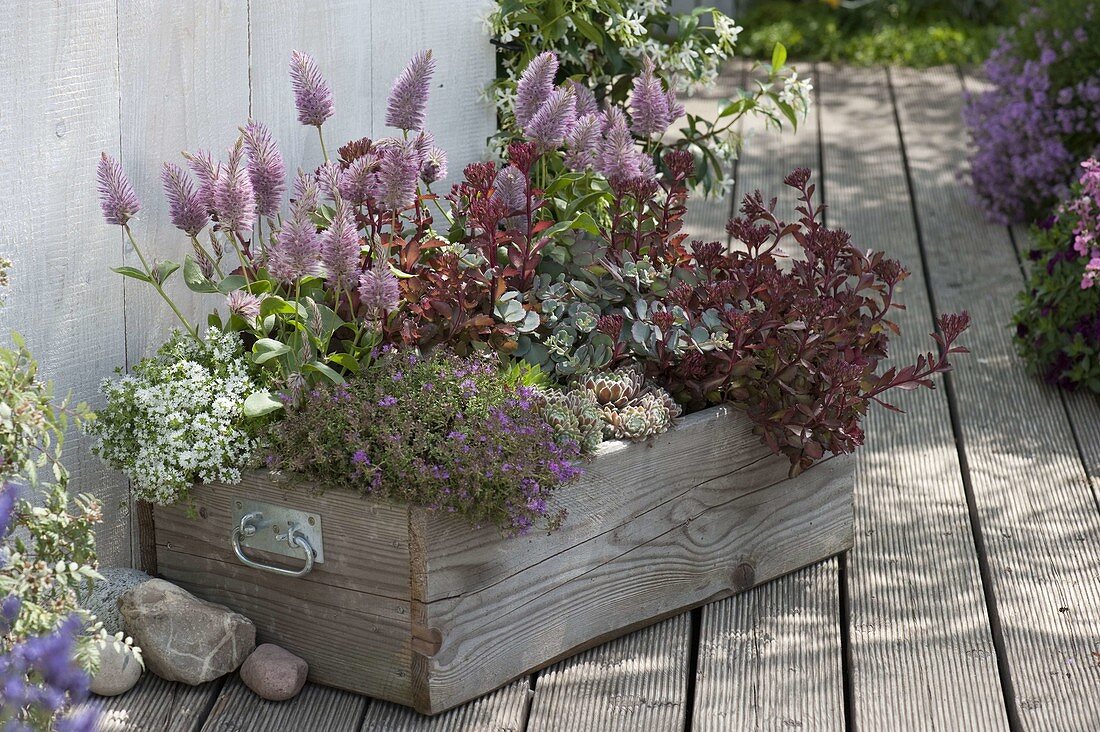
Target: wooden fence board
(319,708)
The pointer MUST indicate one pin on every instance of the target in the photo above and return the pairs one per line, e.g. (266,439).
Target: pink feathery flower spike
(583,142)
(306,194)
(510,188)
(116,193)
(435,167)
(586,100)
(397,177)
(423,143)
(554,120)
(185,206)
(675,109)
(534,86)
(328,180)
(266,169)
(234,199)
(340,250)
(649,103)
(206,170)
(244,304)
(312,95)
(618,159)
(408,100)
(296,252)
(359,181)
(379,291)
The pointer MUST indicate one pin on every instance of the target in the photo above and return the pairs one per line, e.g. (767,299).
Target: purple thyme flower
(234,200)
(116,194)
(583,142)
(397,177)
(359,181)
(312,95)
(534,86)
(340,249)
(409,94)
(379,291)
(206,170)
(554,120)
(387,401)
(185,205)
(648,103)
(306,194)
(266,169)
(435,166)
(510,188)
(586,100)
(244,304)
(296,252)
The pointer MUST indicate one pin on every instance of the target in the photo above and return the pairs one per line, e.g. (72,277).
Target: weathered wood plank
(58,111)
(1037,515)
(319,708)
(638,682)
(915,545)
(156,705)
(505,710)
(770,658)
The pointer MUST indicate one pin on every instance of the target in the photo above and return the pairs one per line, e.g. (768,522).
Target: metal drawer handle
(292,536)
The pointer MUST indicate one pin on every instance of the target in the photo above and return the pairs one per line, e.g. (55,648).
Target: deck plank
(156,705)
(1036,511)
(505,710)
(917,662)
(237,709)
(637,682)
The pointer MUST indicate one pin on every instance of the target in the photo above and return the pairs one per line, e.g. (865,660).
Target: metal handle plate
(277,530)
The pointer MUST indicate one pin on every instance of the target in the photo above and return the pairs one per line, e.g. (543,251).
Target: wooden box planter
(424,610)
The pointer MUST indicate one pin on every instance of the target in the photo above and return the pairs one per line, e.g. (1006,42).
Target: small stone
(103,599)
(118,670)
(183,638)
(274,673)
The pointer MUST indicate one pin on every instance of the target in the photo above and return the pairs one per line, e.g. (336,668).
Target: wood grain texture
(58,111)
(1033,501)
(914,544)
(770,658)
(637,682)
(505,710)
(156,704)
(318,708)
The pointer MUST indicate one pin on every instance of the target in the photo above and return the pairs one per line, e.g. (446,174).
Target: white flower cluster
(179,418)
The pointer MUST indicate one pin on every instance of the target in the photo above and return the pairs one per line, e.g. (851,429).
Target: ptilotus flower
(613,118)
(586,100)
(534,86)
(378,289)
(510,188)
(234,199)
(649,103)
(206,170)
(583,142)
(185,207)
(296,252)
(340,249)
(359,181)
(675,109)
(328,180)
(116,193)
(244,304)
(554,120)
(312,95)
(397,177)
(266,169)
(435,167)
(617,158)
(206,265)
(306,194)
(409,94)
(423,144)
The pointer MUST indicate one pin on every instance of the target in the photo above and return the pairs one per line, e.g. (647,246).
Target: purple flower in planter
(553,121)
(185,206)
(340,249)
(206,170)
(116,193)
(234,199)
(435,166)
(359,181)
(583,142)
(312,95)
(296,252)
(649,105)
(397,177)
(618,159)
(534,86)
(306,194)
(510,188)
(328,180)
(266,169)
(409,94)
(244,304)
(586,100)
(379,290)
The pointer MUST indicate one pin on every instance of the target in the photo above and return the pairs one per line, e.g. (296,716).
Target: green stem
(156,285)
(321,137)
(240,255)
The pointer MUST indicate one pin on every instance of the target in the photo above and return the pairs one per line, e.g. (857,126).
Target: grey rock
(103,600)
(118,671)
(183,638)
(274,673)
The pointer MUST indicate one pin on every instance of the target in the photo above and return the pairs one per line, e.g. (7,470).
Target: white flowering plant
(605,44)
(178,418)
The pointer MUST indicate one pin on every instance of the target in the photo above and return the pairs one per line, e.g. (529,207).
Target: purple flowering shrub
(1058,322)
(1042,115)
(448,433)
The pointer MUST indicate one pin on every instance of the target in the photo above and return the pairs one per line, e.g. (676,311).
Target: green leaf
(266,349)
(231,283)
(275,304)
(133,272)
(260,403)
(325,371)
(345,361)
(779,56)
(164,270)
(194,278)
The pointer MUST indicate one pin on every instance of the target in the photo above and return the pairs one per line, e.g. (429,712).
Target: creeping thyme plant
(460,350)
(604,45)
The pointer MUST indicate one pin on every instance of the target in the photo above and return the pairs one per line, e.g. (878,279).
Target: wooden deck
(971,600)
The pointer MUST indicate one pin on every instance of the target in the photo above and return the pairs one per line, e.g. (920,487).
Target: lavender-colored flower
(312,95)
(676,110)
(618,159)
(266,169)
(586,100)
(340,250)
(379,291)
(206,170)
(423,144)
(206,265)
(409,94)
(397,177)
(435,166)
(359,181)
(649,103)
(554,120)
(244,304)
(234,199)
(614,118)
(185,206)
(534,86)
(306,195)
(296,252)
(328,180)
(583,142)
(510,188)
(7,508)
(116,193)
